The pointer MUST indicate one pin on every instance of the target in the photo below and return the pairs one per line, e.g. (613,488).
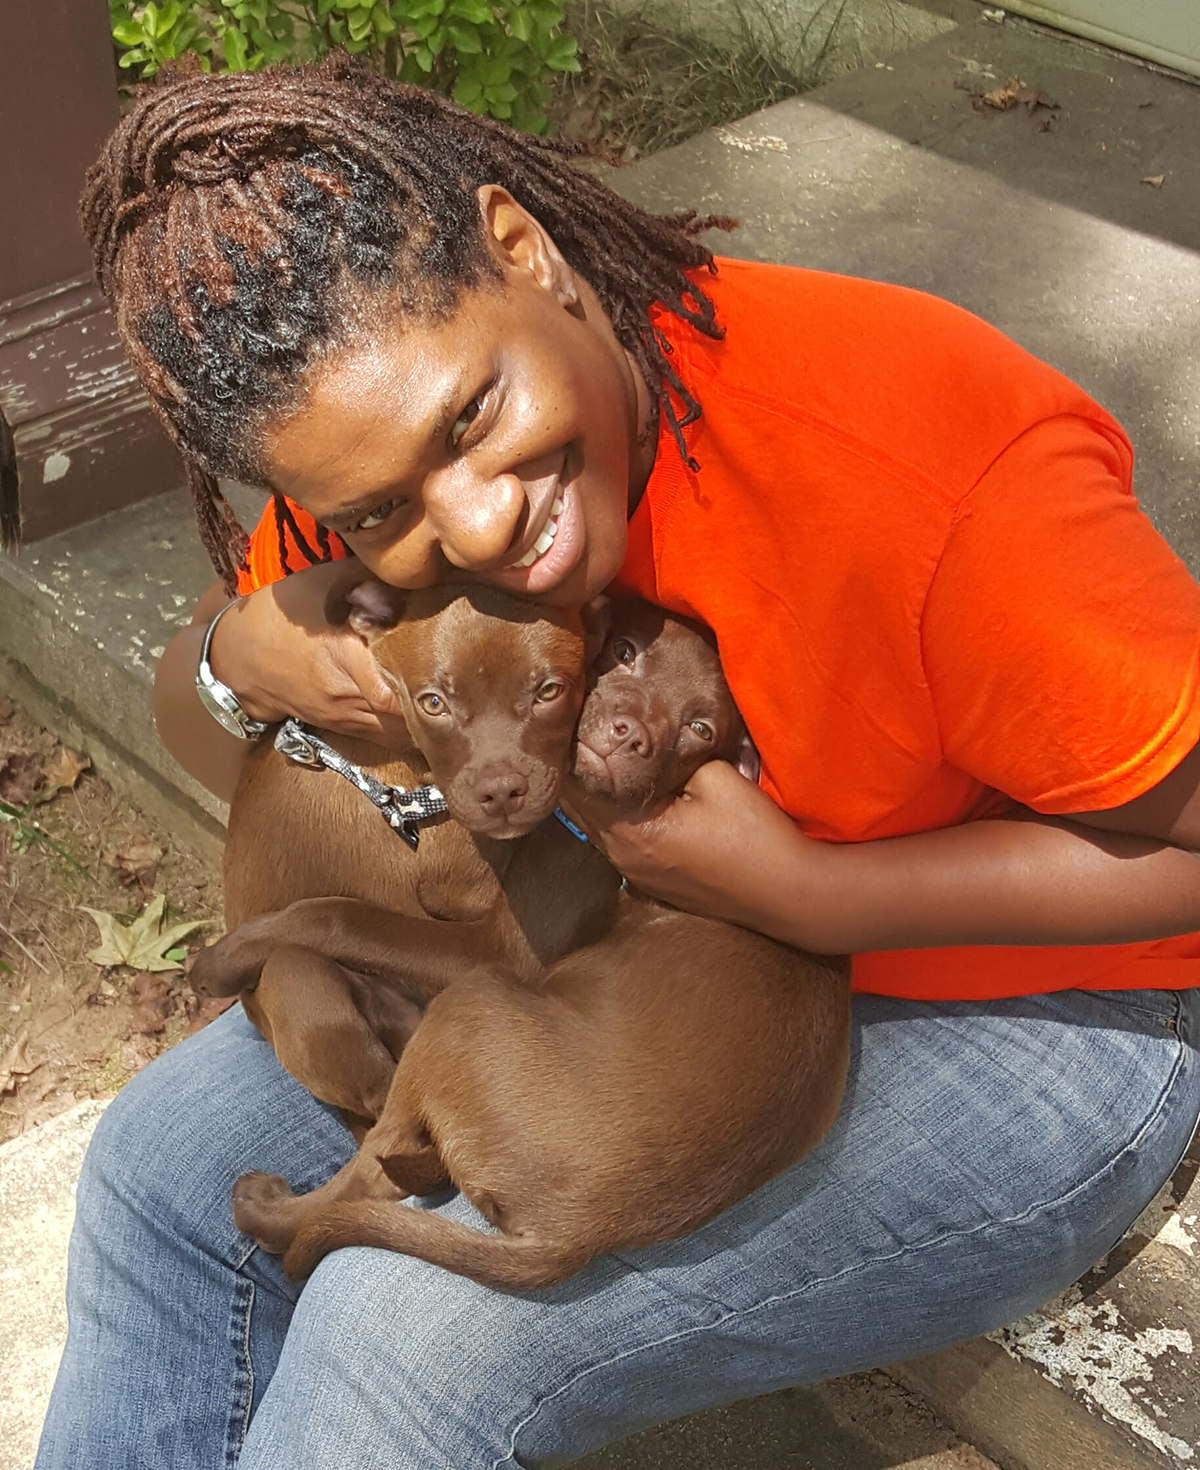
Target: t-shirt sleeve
(1060,634)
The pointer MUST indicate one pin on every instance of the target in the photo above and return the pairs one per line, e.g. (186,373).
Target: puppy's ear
(374,608)
(745,758)
(597,620)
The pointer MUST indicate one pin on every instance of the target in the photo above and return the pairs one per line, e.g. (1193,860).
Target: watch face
(225,718)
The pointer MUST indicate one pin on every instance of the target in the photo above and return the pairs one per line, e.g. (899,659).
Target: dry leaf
(204,1011)
(137,1051)
(152,1003)
(137,862)
(1154,180)
(144,944)
(15,1063)
(20,773)
(1002,98)
(61,772)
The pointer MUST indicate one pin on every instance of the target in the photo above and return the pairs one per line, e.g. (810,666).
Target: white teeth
(546,540)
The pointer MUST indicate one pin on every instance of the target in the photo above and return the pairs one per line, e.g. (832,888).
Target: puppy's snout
(501,792)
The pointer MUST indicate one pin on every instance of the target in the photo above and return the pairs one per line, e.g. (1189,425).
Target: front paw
(234,963)
(264,1209)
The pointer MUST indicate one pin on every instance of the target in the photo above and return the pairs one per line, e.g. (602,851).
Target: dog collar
(404,811)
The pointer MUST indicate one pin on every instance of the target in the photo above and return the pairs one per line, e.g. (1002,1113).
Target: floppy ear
(745,758)
(597,620)
(375,608)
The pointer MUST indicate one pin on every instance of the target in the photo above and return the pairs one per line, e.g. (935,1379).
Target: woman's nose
(477,517)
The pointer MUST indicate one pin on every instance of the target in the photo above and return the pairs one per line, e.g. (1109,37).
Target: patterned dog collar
(404,811)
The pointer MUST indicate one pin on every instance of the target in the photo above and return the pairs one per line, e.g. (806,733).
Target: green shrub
(494,56)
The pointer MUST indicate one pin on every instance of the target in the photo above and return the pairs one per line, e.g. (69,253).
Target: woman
(945,620)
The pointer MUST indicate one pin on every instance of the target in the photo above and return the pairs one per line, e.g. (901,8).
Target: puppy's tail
(503,1262)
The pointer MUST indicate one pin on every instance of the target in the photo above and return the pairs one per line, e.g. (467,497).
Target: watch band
(217,698)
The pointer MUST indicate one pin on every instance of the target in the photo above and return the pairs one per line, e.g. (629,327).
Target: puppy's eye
(623,651)
(375,517)
(551,690)
(431,704)
(465,419)
(703,729)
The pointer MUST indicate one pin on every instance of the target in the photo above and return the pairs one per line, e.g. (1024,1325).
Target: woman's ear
(374,608)
(522,244)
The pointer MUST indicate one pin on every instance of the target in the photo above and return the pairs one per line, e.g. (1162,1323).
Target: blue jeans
(987,1154)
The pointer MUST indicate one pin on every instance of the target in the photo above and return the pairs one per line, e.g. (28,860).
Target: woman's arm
(725,849)
(285,650)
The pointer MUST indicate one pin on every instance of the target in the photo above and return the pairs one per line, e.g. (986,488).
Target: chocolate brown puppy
(491,687)
(625,1094)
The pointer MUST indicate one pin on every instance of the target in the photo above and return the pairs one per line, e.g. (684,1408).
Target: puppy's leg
(308,1013)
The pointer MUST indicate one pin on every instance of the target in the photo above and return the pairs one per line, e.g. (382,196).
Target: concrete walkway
(1081,239)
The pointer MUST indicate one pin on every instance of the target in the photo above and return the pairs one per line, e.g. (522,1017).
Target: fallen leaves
(20,774)
(61,772)
(142,944)
(136,864)
(1013,94)
(150,1002)
(15,1063)
(1154,180)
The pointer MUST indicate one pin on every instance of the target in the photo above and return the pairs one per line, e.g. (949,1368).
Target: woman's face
(501,446)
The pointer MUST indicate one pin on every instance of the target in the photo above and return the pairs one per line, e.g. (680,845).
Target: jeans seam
(1041,1206)
(242,1388)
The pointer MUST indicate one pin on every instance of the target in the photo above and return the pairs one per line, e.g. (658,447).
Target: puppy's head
(491,687)
(657,709)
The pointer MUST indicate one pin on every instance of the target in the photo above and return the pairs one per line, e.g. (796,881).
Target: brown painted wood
(84,438)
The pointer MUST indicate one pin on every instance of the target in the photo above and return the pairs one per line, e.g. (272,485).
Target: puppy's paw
(264,1209)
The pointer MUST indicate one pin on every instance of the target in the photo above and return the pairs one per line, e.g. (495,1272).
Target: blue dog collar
(575,831)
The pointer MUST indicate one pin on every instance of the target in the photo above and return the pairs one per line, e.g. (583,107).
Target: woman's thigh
(985,1157)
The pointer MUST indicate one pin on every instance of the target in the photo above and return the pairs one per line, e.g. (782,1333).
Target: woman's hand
(707,850)
(287,650)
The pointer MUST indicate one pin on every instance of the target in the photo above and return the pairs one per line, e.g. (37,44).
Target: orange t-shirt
(932,587)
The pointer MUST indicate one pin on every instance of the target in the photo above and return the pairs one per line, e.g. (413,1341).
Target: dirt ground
(74,1027)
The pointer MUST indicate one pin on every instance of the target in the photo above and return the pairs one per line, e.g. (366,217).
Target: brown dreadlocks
(241,223)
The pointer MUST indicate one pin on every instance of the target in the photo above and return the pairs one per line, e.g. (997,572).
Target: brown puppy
(491,687)
(625,1095)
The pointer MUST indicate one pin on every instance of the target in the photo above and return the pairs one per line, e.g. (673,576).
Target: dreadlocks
(240,224)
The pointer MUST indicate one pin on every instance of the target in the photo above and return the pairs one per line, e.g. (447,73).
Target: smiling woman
(970,666)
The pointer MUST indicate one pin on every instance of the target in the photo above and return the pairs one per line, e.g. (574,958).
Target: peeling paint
(55,467)
(1085,1346)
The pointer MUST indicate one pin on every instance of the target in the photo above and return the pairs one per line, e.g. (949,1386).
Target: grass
(642,88)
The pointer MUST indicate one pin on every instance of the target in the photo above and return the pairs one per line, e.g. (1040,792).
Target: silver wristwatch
(217,698)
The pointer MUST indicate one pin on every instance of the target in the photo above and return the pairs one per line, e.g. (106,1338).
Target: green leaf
(129,33)
(468,91)
(423,56)
(143,944)
(495,73)
(150,19)
(233,45)
(477,12)
(464,40)
(502,110)
(360,25)
(383,22)
(169,15)
(506,92)
(132,58)
(520,23)
(560,54)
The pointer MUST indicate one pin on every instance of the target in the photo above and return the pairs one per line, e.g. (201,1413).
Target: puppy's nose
(501,793)
(629,734)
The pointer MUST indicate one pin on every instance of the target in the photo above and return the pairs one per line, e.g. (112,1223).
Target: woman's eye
(465,419)
(375,517)
(551,690)
(432,704)
(623,651)
(703,729)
